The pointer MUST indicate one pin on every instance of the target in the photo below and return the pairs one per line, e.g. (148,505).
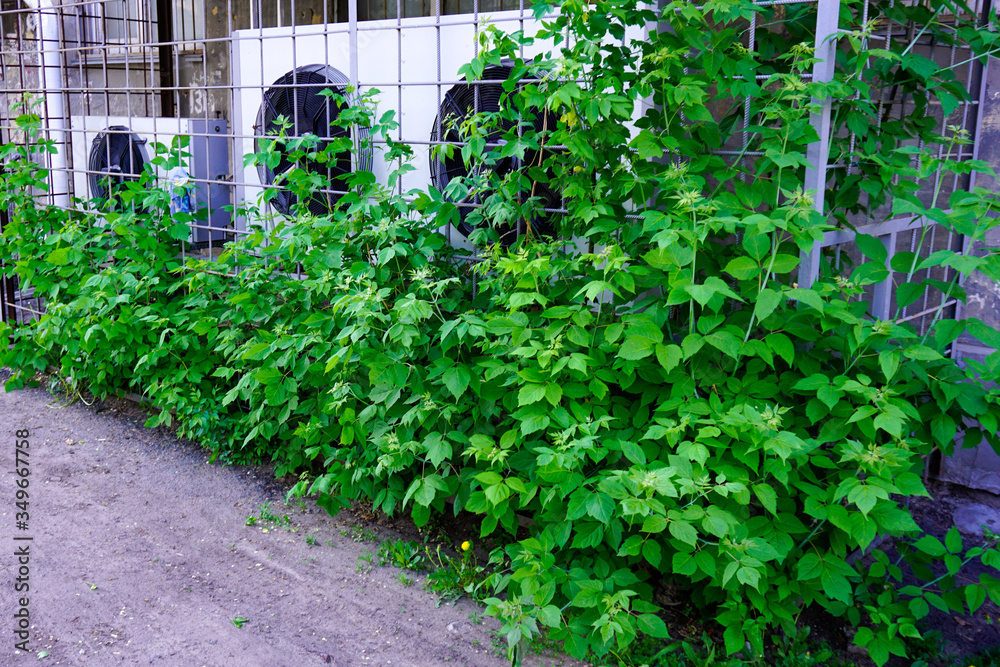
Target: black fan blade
(460,104)
(297,96)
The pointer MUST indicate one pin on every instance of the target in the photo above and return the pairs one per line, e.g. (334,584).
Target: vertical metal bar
(751,40)
(8,310)
(817,154)
(399,86)
(857,95)
(352,38)
(164,25)
(882,292)
(52,82)
(983,79)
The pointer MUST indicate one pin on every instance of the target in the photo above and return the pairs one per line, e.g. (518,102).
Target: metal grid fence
(200,68)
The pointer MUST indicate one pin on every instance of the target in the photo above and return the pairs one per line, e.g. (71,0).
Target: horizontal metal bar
(922,313)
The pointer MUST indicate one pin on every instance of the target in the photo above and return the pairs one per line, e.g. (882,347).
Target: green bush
(671,405)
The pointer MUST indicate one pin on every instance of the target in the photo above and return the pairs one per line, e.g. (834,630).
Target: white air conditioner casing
(398,58)
(207,162)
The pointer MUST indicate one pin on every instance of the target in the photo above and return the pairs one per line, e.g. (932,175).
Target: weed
(266,518)
(270,517)
(476,618)
(929,648)
(986,658)
(451,577)
(498,645)
(405,580)
(359,534)
(311,541)
(405,554)
(365,562)
(797,650)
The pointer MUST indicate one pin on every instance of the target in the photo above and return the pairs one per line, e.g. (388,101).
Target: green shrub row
(661,396)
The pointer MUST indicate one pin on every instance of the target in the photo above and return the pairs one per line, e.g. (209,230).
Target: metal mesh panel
(907,233)
(156,66)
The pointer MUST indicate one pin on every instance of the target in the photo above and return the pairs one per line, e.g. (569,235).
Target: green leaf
(829,395)
(712,286)
(922,353)
(725,342)
(489,478)
(533,423)
(553,393)
(756,244)
(865,496)
(872,248)
(439,449)
(812,383)
(930,545)
(652,552)
(784,264)
(691,344)
(647,145)
(654,524)
(943,428)
(767,302)
(530,393)
(668,356)
(742,268)
(953,540)
(456,379)
(907,293)
(268,376)
(806,296)
(984,333)
(836,586)
(767,497)
(684,531)
(600,506)
(636,347)
(633,452)
(652,625)
(889,363)
(782,346)
(715,524)
(588,535)
(590,594)
(58,257)
(975,596)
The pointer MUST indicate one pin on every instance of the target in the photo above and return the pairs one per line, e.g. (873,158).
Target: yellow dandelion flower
(466,545)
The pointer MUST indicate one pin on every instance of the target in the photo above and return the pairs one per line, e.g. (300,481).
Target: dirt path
(141,556)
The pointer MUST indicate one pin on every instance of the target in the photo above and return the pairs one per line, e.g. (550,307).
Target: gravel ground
(141,555)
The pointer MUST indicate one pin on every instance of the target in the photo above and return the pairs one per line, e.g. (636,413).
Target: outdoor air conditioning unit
(111,150)
(298,98)
(396,58)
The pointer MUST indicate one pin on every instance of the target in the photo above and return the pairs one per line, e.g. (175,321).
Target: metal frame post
(352,29)
(818,153)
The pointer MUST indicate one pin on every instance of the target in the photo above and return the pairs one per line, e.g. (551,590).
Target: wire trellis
(156,66)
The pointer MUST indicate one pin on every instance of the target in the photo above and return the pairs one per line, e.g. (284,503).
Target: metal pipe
(352,36)
(55,112)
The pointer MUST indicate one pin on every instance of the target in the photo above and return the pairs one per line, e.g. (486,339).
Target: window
(119,22)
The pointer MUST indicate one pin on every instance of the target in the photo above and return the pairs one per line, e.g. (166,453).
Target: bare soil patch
(142,556)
